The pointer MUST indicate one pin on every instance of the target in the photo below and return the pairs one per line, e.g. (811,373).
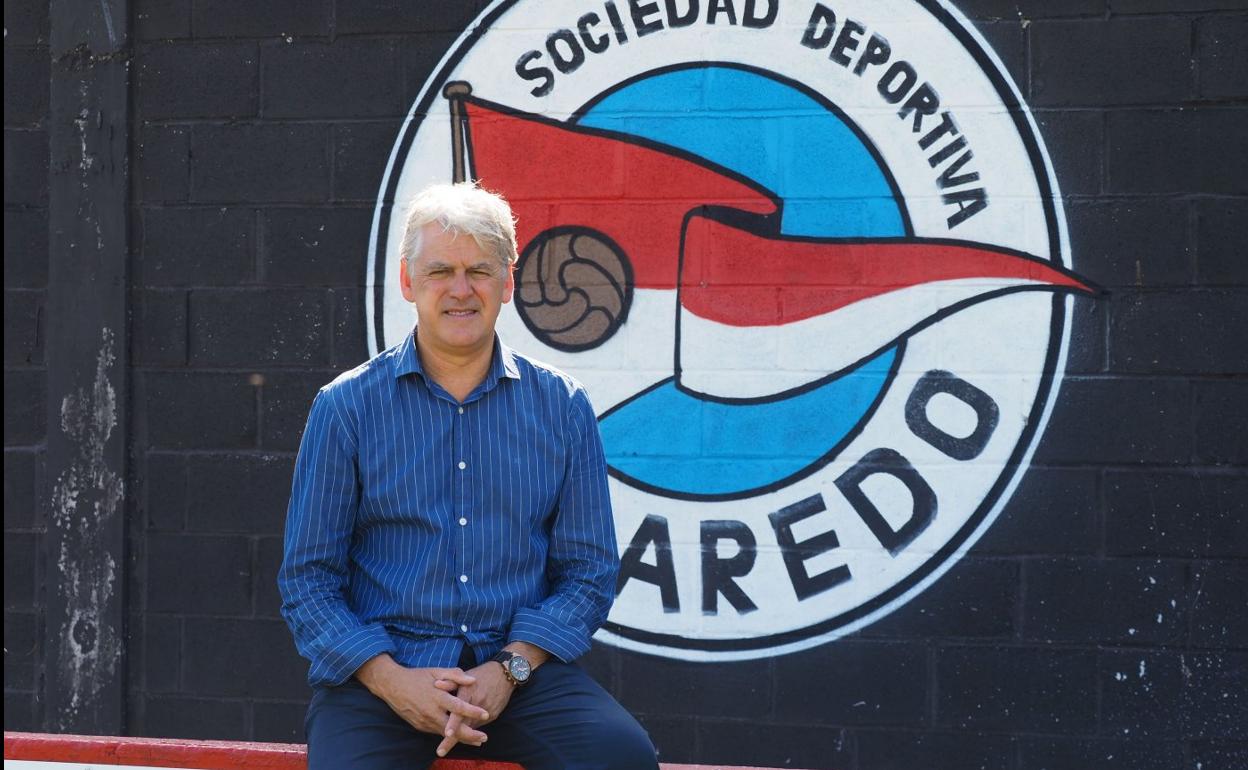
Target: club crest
(809,260)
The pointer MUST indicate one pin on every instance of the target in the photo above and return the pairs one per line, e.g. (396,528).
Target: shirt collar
(502,362)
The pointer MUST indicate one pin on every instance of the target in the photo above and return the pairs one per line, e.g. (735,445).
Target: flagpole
(455,91)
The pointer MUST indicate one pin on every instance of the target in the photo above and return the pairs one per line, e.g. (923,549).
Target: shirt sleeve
(583,560)
(313,579)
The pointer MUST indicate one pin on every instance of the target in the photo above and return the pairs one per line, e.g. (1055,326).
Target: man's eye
(481,273)
(439,273)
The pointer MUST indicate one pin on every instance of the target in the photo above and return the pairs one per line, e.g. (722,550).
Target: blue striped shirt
(418,524)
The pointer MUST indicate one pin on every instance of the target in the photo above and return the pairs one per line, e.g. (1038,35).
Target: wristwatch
(516,667)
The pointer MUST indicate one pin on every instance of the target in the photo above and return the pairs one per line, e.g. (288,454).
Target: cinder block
(877,683)
(188,717)
(349,334)
(1192,143)
(1218,600)
(159,336)
(1032,525)
(1132,242)
(25,167)
(287,397)
(1032,689)
(177,402)
(243,658)
(1219,405)
(21,551)
(672,687)
(360,153)
(1168,6)
(1183,513)
(349,78)
(25,106)
(1215,705)
(1219,754)
(1075,141)
(19,711)
(21,650)
(250,328)
(382,16)
(316,247)
(24,327)
(280,722)
(1113,601)
(1221,235)
(975,599)
(198,247)
(26,248)
(934,750)
(268,602)
(1018,10)
(161,644)
(238,493)
(162,163)
(1179,332)
(1087,62)
(242,19)
(778,744)
(1107,421)
(25,396)
(1131,752)
(198,575)
(165,485)
(1221,58)
(163,21)
(269,162)
(226,78)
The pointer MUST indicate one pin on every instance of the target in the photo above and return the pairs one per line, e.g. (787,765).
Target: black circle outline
(1044,391)
(578,231)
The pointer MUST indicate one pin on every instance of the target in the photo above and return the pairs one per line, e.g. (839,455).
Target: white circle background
(999,345)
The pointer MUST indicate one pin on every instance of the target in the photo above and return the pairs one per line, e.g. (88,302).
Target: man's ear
(510,287)
(405,282)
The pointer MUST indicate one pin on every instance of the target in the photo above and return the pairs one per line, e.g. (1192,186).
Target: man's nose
(460,285)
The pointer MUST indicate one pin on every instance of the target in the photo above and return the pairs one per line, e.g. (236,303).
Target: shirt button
(464,629)
(461,410)
(462,465)
(463,522)
(463,578)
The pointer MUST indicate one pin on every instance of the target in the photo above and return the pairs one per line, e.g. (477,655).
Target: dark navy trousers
(562,720)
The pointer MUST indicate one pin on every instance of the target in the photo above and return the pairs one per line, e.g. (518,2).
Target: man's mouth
(460,313)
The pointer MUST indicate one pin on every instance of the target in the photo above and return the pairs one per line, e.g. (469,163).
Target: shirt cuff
(348,654)
(553,636)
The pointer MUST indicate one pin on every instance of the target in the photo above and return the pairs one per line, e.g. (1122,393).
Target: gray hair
(462,208)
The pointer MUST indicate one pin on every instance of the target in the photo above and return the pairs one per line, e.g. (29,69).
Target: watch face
(519,669)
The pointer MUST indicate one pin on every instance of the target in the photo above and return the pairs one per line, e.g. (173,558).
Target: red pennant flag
(634,191)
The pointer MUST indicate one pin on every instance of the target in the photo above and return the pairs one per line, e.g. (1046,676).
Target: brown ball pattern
(573,288)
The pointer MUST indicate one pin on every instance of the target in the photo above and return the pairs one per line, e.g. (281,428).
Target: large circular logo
(810,262)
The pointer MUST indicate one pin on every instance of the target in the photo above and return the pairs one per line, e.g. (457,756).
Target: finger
(445,685)
(446,745)
(456,675)
(450,734)
(471,736)
(455,705)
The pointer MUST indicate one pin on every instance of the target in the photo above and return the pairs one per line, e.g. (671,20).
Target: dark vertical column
(86,366)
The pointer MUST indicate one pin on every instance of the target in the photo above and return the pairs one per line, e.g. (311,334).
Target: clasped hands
(445,701)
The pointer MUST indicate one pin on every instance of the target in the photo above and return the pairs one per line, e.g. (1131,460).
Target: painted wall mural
(809,259)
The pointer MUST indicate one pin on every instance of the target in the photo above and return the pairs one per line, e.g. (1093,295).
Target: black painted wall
(1102,620)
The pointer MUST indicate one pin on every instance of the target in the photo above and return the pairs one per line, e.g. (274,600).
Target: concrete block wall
(1099,622)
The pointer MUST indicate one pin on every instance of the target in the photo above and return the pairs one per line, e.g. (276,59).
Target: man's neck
(458,373)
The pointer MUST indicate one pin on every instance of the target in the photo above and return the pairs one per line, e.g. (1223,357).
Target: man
(449,544)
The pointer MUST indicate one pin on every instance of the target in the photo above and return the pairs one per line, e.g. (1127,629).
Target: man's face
(458,290)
